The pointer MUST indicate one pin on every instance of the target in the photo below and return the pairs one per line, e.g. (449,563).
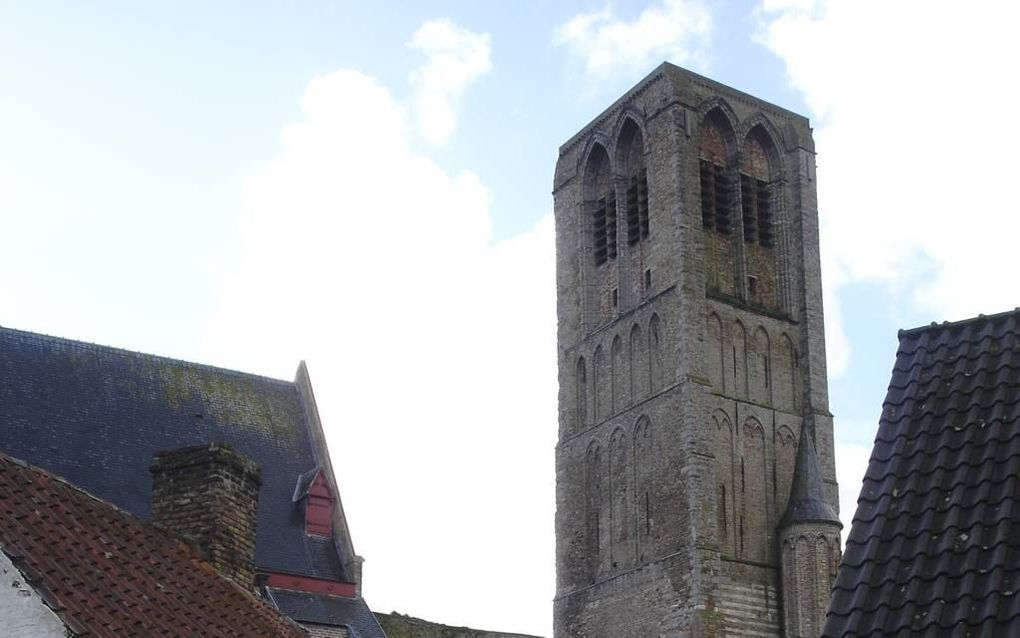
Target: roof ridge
(935,326)
(135,354)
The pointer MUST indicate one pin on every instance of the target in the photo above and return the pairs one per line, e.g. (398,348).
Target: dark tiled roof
(321,609)
(97,415)
(107,573)
(935,545)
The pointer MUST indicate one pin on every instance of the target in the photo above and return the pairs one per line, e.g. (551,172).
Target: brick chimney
(209,494)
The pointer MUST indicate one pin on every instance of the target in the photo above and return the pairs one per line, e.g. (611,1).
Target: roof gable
(96,416)
(934,549)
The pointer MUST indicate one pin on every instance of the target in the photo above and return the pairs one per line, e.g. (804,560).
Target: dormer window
(314,494)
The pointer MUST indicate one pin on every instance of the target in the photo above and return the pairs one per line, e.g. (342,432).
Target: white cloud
(674,30)
(454,58)
(431,348)
(912,104)
(912,107)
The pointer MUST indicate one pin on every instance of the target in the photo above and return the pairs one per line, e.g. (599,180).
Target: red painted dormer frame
(319,508)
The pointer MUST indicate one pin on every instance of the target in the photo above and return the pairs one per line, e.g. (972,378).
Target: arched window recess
(600,198)
(714,177)
(631,161)
(756,177)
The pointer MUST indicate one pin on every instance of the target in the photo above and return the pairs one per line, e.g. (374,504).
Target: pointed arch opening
(786,456)
(655,348)
(736,359)
(755,534)
(760,374)
(631,163)
(619,374)
(581,387)
(600,200)
(758,204)
(724,485)
(639,381)
(785,375)
(594,517)
(714,348)
(601,385)
(643,464)
(621,512)
(716,148)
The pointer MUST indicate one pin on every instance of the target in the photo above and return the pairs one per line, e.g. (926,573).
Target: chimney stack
(209,494)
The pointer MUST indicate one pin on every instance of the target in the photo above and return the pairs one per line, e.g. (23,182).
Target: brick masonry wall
(645,546)
(209,495)
(810,555)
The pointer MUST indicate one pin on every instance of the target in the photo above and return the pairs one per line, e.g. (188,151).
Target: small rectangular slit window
(615,297)
(648,280)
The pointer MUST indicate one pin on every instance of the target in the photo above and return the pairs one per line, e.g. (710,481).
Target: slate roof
(934,549)
(107,573)
(96,415)
(807,495)
(328,610)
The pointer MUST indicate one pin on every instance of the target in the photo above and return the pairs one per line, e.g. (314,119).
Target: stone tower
(691,367)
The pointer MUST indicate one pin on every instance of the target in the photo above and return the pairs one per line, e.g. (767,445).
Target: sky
(366,186)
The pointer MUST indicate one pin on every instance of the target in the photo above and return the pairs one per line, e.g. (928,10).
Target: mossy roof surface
(96,416)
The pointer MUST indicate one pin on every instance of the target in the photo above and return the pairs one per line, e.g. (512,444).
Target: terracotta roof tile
(108,573)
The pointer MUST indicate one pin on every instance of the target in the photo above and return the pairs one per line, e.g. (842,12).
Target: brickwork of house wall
(675,458)
(209,495)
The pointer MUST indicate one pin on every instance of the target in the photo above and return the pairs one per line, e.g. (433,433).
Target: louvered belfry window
(611,226)
(637,208)
(604,230)
(599,232)
(756,207)
(715,197)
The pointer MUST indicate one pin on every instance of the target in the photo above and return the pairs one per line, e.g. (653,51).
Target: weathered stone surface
(688,363)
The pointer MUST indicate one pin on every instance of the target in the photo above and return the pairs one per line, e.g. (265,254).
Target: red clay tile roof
(935,545)
(107,573)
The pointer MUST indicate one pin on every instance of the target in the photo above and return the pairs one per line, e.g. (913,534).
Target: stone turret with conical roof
(809,544)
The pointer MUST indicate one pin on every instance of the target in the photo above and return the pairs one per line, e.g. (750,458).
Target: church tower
(691,369)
